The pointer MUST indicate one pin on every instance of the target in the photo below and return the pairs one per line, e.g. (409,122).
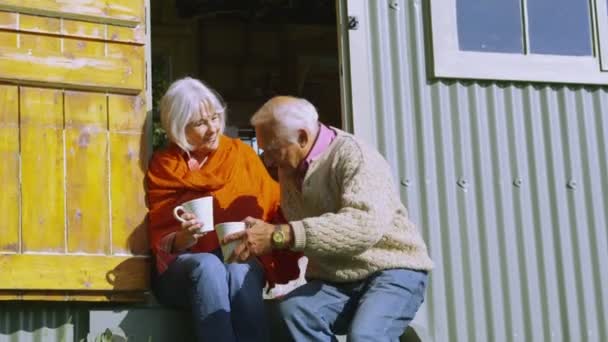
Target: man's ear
(302,138)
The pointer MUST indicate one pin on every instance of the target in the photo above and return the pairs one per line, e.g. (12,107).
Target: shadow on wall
(131,278)
(137,242)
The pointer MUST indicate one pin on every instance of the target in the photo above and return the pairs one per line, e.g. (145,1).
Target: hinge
(353,22)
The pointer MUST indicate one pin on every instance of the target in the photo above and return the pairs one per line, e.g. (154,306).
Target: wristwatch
(278,237)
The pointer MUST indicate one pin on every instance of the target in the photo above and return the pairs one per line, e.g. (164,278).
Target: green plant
(161,79)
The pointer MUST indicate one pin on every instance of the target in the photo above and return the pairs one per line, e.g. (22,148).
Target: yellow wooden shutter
(73,149)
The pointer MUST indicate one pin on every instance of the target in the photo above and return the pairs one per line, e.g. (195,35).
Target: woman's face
(203,130)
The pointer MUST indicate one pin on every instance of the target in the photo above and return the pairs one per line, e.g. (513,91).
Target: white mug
(225,229)
(202,208)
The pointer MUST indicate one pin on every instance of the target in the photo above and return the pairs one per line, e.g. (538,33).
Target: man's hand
(255,240)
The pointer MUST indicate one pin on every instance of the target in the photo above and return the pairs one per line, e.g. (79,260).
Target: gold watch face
(278,238)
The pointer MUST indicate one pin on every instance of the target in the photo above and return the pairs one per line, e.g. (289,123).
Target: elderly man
(367,263)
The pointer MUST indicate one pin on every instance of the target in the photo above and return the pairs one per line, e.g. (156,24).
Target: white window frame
(451,62)
(601,13)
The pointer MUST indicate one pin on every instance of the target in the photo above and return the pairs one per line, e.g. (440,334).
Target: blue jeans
(378,308)
(225,299)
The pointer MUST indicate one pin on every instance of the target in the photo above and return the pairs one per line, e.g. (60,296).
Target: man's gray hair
(290,114)
(181,101)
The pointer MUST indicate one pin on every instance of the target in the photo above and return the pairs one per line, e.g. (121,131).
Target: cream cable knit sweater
(348,219)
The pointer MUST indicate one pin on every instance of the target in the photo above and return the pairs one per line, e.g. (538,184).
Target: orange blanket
(240,185)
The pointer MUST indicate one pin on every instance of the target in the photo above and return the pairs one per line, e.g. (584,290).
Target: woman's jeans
(378,308)
(225,299)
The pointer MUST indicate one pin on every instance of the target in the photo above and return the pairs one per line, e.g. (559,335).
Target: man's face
(278,151)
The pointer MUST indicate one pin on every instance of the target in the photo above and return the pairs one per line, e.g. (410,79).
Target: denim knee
(207,268)
(251,272)
(356,334)
(292,308)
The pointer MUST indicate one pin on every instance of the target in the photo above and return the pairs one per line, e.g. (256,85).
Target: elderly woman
(225,299)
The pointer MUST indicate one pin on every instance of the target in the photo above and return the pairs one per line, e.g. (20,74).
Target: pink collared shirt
(324,138)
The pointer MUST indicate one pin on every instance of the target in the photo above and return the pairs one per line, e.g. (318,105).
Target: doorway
(248,51)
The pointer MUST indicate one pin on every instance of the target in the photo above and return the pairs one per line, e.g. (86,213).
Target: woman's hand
(189,234)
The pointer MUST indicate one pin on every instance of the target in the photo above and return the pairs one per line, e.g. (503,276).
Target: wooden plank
(83,48)
(127,34)
(9,169)
(122,72)
(39,43)
(127,113)
(83,29)
(24,23)
(43,218)
(8,20)
(73,272)
(120,12)
(125,51)
(8,39)
(88,226)
(33,23)
(74,296)
(129,211)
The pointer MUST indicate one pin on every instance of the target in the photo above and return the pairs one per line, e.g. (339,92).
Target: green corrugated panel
(43,322)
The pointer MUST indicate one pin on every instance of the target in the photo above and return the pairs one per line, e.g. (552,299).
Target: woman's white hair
(181,101)
(290,114)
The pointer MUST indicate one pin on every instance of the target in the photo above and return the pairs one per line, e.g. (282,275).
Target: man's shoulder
(346,144)
(352,150)
(345,140)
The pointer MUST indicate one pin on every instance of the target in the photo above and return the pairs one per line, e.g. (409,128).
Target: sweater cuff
(299,235)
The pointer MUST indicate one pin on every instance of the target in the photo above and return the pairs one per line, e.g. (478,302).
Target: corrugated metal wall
(508,182)
(43,322)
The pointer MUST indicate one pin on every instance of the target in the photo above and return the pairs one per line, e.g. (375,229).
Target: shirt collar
(324,138)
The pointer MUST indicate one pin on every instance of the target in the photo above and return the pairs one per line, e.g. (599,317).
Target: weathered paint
(23,23)
(127,119)
(126,34)
(83,29)
(56,61)
(68,76)
(43,272)
(33,23)
(73,296)
(86,145)
(81,48)
(120,12)
(9,169)
(9,20)
(8,39)
(43,185)
(129,210)
(29,42)
(127,113)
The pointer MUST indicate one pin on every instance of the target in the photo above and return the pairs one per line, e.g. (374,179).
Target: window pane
(490,25)
(559,27)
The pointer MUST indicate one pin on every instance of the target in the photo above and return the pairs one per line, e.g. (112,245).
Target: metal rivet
(517,182)
(406,182)
(394,5)
(571,184)
(463,183)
